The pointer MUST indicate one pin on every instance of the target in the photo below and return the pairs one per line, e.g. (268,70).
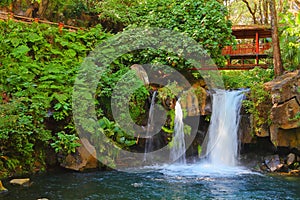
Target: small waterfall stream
(178,147)
(149,140)
(222,147)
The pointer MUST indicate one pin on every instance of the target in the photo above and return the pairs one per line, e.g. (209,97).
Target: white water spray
(178,146)
(149,140)
(222,147)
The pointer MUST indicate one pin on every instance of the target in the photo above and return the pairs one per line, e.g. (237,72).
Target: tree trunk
(260,11)
(266,12)
(42,8)
(278,68)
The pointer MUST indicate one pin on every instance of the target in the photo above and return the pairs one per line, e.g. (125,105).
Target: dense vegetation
(38,67)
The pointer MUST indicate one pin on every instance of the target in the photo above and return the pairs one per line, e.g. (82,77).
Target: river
(196,181)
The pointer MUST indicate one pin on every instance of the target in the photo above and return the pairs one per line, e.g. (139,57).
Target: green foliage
(116,11)
(169,125)
(258,104)
(289,41)
(199,148)
(38,68)
(297,116)
(114,132)
(137,104)
(21,134)
(170,91)
(115,75)
(5,2)
(204,21)
(65,143)
(258,99)
(246,79)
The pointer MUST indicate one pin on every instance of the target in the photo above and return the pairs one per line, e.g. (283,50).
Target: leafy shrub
(65,143)
(246,79)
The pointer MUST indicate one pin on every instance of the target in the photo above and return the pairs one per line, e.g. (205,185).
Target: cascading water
(178,147)
(222,147)
(149,140)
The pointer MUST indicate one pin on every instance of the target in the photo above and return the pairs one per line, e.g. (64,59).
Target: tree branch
(252,12)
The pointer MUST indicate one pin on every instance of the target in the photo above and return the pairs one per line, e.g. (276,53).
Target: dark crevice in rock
(297,100)
(283,102)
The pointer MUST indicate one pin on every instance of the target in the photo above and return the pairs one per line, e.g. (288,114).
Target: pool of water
(196,181)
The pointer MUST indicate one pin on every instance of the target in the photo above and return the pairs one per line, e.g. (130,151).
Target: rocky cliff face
(284,105)
(285,96)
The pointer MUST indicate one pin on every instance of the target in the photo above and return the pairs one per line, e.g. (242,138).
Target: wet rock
(245,130)
(137,185)
(23,182)
(291,158)
(84,158)
(285,138)
(273,163)
(2,188)
(196,101)
(141,73)
(295,172)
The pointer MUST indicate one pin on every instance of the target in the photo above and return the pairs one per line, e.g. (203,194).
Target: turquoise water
(161,182)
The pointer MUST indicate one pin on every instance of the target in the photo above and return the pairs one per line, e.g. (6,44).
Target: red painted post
(257,47)
(60,26)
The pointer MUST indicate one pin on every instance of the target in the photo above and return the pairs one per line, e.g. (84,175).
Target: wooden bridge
(252,47)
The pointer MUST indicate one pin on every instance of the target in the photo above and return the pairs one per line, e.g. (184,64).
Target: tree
(204,21)
(289,41)
(278,68)
(258,10)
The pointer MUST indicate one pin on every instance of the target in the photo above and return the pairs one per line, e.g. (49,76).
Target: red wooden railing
(29,20)
(246,49)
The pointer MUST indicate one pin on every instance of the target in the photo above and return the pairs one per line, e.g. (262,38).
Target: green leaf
(130,142)
(34,37)
(15,41)
(21,50)
(70,53)
(56,52)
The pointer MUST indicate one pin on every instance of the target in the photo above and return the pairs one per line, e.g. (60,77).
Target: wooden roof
(249,31)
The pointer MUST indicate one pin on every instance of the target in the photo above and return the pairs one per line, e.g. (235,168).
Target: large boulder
(284,87)
(141,73)
(283,115)
(84,158)
(285,97)
(273,163)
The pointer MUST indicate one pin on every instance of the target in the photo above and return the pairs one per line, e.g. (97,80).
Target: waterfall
(222,147)
(178,143)
(149,140)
